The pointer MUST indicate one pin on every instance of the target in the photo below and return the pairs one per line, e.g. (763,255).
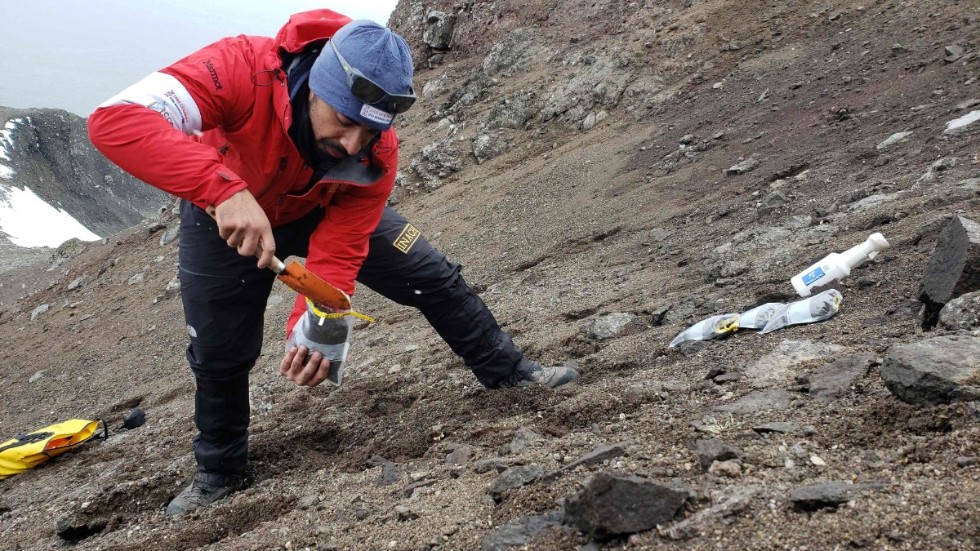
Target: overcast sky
(73,54)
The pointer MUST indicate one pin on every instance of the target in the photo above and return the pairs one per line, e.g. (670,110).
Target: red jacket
(224,128)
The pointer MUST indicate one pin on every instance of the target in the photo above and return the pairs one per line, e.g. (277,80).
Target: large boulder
(611,505)
(939,370)
(954,268)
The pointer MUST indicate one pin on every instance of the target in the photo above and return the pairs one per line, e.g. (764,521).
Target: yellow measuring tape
(326,314)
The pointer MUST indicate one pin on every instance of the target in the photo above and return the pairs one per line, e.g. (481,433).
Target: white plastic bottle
(836,266)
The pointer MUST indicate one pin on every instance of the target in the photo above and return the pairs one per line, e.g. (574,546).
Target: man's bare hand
(302,369)
(244,226)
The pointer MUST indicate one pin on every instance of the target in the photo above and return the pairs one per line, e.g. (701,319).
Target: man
(288,143)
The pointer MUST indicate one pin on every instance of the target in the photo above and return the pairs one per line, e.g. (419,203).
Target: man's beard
(328,153)
(301,132)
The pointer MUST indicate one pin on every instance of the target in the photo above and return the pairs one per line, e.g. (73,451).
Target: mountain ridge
(48,152)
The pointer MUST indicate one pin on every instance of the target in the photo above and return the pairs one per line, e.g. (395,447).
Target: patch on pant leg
(409,235)
(191,331)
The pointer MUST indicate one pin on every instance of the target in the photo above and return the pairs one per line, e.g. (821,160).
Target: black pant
(224,297)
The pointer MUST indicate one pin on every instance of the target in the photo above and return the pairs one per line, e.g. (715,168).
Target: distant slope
(48,152)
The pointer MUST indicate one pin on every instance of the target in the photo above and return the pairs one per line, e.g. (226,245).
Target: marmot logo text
(214,74)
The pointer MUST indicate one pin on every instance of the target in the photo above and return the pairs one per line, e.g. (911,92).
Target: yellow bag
(28,450)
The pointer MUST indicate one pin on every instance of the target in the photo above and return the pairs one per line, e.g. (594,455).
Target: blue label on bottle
(813,276)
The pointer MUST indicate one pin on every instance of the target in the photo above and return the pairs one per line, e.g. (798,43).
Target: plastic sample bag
(816,308)
(758,317)
(711,328)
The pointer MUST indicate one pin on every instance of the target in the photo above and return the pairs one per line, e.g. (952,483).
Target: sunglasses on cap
(369,92)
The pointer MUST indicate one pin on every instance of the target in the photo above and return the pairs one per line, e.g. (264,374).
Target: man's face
(336,135)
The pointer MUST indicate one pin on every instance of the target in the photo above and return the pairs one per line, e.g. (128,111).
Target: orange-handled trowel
(306,283)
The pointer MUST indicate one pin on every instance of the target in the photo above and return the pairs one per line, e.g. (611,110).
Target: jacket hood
(308,26)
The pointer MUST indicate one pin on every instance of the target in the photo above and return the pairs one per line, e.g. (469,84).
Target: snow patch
(6,140)
(956,125)
(30,222)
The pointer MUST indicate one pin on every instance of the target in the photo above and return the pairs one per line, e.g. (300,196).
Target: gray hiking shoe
(204,489)
(546,376)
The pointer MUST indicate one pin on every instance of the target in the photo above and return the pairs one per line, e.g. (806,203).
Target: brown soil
(556,232)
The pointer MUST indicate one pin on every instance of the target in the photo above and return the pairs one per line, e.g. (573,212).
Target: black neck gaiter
(301,131)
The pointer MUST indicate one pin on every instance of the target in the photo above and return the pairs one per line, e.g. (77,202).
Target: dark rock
(772,202)
(658,316)
(714,372)
(729,377)
(742,167)
(435,60)
(76,283)
(42,309)
(761,400)
(486,146)
(407,491)
(939,370)
(437,161)
(391,473)
(953,53)
(439,29)
(170,291)
(512,111)
(954,268)
(460,455)
(169,236)
(704,520)
(819,496)
(710,450)
(514,478)
(730,468)
(523,440)
(492,464)
(780,427)
(837,377)
(962,313)
(134,419)
(598,455)
(606,327)
(78,525)
(308,501)
(610,505)
(404,513)
(519,532)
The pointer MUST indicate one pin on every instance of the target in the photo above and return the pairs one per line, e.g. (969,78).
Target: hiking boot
(547,376)
(205,489)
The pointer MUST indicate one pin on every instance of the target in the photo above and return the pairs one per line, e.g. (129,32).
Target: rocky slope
(609,173)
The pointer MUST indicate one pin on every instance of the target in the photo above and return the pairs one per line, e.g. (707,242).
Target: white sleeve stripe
(165,95)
